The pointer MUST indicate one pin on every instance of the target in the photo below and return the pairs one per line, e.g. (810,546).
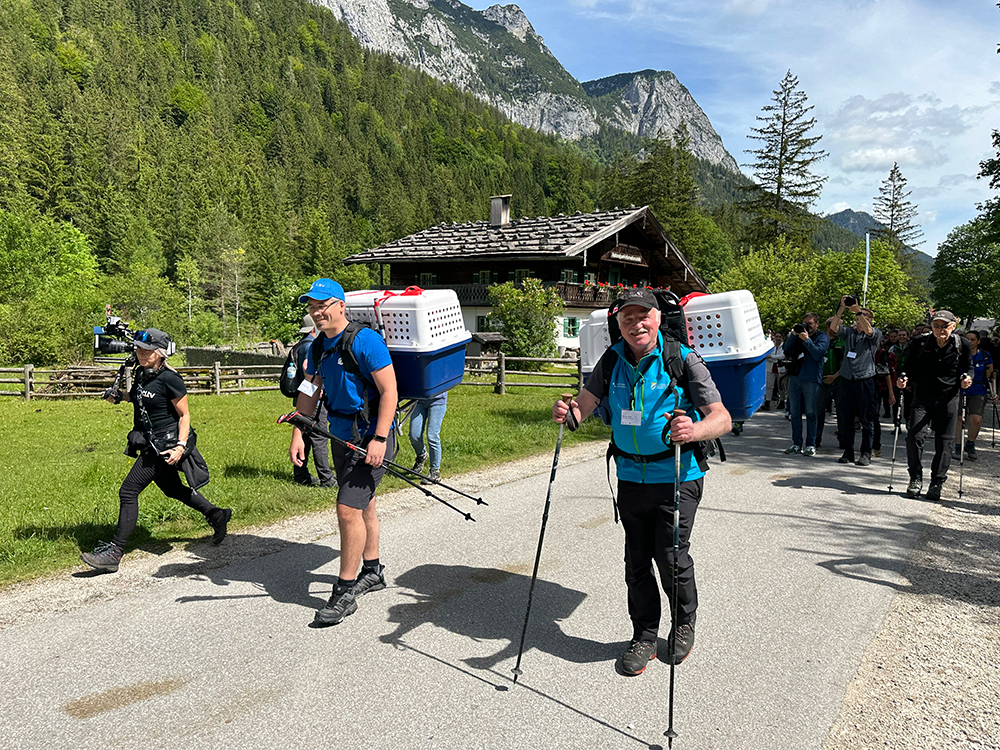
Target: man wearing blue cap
(361,403)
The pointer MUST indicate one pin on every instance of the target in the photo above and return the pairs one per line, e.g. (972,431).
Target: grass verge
(62,463)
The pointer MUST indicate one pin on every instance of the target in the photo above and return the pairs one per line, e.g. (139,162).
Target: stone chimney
(499,210)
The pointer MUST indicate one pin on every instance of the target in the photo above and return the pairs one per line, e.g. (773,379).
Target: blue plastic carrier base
(426,374)
(742,384)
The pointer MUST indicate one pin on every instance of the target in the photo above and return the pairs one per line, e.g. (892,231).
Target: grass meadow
(61,463)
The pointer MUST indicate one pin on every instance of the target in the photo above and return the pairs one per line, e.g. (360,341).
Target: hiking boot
(970,451)
(683,642)
(219,519)
(432,477)
(793,449)
(877,453)
(914,487)
(340,605)
(934,491)
(638,655)
(106,556)
(865,460)
(809,451)
(370,580)
(957,453)
(847,458)
(766,406)
(419,464)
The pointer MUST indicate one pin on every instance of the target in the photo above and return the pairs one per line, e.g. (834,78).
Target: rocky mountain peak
(497,56)
(513,19)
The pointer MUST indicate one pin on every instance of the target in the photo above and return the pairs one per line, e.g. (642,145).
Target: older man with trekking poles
(651,413)
(936,366)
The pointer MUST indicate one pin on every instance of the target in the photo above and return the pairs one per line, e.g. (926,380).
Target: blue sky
(909,81)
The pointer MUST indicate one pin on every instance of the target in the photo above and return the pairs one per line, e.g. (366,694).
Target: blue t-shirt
(345,393)
(980,362)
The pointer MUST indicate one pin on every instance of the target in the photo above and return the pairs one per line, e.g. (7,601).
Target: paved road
(791,557)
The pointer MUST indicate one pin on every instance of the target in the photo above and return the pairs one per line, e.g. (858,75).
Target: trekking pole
(895,439)
(670,734)
(568,398)
(305,423)
(961,447)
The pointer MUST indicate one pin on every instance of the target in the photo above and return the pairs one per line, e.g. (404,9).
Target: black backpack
(291,374)
(343,347)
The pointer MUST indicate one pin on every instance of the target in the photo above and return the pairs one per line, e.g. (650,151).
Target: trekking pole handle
(673,415)
(571,421)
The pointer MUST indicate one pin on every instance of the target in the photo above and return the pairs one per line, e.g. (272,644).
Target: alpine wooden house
(586,257)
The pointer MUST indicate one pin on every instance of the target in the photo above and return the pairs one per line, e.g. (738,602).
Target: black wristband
(379,438)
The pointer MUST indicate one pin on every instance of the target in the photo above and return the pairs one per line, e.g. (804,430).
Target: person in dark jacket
(159,442)
(313,442)
(935,367)
(805,351)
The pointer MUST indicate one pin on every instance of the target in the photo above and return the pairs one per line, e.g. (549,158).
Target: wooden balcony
(573,295)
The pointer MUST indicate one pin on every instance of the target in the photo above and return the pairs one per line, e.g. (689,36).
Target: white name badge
(852,355)
(802,355)
(308,388)
(631,418)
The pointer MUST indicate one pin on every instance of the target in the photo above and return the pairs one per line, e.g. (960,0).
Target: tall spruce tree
(896,214)
(777,204)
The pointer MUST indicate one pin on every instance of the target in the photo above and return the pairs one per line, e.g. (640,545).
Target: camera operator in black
(857,398)
(938,363)
(159,442)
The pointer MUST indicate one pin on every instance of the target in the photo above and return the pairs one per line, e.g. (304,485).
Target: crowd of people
(931,378)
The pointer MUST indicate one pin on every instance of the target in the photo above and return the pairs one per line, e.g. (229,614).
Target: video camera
(114,337)
(799,328)
(851,301)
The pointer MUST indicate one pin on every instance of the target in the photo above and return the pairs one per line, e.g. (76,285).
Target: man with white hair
(651,411)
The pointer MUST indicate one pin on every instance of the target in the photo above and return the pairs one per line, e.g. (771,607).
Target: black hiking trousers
(149,467)
(647,515)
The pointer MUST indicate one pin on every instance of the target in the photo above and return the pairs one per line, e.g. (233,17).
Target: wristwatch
(379,438)
(182,443)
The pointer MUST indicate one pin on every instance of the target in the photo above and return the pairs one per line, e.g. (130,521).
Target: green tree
(990,210)
(786,186)
(896,214)
(527,317)
(966,273)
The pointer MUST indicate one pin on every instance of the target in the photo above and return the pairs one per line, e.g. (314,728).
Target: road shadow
(87,535)
(488,604)
(283,571)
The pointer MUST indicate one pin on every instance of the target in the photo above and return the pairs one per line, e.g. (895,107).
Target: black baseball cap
(946,315)
(152,338)
(638,296)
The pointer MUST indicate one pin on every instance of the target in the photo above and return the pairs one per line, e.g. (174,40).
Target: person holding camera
(358,383)
(857,398)
(805,349)
(938,364)
(162,442)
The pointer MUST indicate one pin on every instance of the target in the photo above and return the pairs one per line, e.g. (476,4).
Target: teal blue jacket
(646,388)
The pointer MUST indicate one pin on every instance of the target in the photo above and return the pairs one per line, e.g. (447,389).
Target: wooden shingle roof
(528,238)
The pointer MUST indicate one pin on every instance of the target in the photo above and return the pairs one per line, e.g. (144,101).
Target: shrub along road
(802,565)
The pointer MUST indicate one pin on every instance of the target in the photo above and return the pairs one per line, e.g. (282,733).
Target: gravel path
(930,679)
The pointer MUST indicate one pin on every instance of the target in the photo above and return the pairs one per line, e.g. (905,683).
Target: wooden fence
(82,381)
